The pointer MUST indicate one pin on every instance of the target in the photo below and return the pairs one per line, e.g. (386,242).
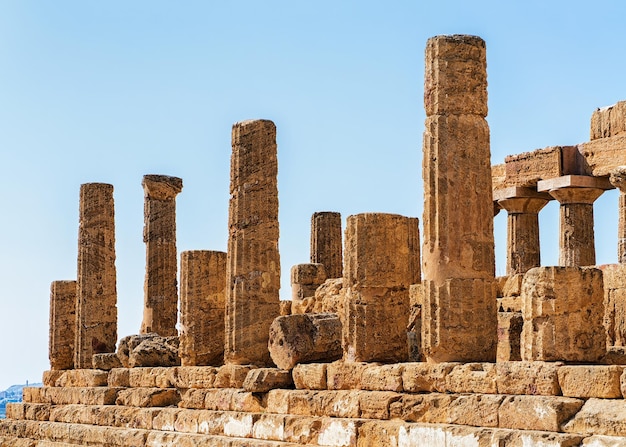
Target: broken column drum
(96,303)
(382,261)
(202,304)
(253,261)
(160,312)
(459,318)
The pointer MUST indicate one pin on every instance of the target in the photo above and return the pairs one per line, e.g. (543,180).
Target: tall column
(62,324)
(576,194)
(253,261)
(523,206)
(96,304)
(160,309)
(326,242)
(202,304)
(382,261)
(618,179)
(459,316)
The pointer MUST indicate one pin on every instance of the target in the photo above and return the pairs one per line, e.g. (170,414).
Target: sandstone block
(563,314)
(186,421)
(253,261)
(277,401)
(430,408)
(305,278)
(106,361)
(421,377)
(599,417)
(285,307)
(78,395)
(608,121)
(472,378)
(546,413)
(261,380)
(376,404)
(148,397)
(232,376)
(308,402)
(301,429)
(148,350)
(614,276)
(193,398)
(119,377)
(50,377)
(586,381)
(310,376)
(533,378)
(345,375)
(217,399)
(269,427)
(382,377)
(340,404)
(202,301)
(528,168)
(246,401)
(82,378)
(151,377)
(604,155)
(329,297)
(62,324)
(195,376)
(603,441)
(480,410)
(305,338)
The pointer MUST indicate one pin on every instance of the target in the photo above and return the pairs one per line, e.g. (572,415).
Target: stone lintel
(161,187)
(574,181)
(528,168)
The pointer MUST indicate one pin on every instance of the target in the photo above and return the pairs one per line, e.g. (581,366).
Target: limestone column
(523,206)
(96,303)
(382,262)
(62,324)
(326,242)
(618,179)
(576,194)
(459,315)
(253,261)
(202,307)
(160,310)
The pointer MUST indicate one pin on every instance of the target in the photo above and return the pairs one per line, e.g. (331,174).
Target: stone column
(523,206)
(160,309)
(62,324)
(96,304)
(382,261)
(459,316)
(618,179)
(576,194)
(202,307)
(326,242)
(253,261)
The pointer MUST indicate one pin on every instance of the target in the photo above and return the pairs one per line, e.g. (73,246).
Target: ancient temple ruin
(387,340)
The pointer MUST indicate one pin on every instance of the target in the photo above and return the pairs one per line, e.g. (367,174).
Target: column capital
(161,187)
(569,189)
(517,200)
(618,178)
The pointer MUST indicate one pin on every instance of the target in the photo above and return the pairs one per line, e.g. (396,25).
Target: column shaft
(62,324)
(326,242)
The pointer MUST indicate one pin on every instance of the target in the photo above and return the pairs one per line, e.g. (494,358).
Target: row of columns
(576,195)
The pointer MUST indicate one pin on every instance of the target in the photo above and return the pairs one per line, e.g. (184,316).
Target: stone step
(56,434)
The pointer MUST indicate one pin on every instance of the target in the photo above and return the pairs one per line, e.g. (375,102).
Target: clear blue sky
(110,91)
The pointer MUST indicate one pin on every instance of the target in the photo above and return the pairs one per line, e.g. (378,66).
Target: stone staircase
(337,404)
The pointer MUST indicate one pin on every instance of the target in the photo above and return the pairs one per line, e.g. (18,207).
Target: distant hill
(12,394)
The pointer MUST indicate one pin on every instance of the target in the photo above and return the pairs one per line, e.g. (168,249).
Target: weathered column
(523,206)
(253,261)
(382,261)
(618,179)
(62,324)
(160,309)
(576,194)
(202,307)
(326,242)
(459,316)
(96,304)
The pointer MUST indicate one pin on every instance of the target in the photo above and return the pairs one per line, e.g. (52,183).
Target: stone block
(456,77)
(563,314)
(285,307)
(151,377)
(608,121)
(345,375)
(472,378)
(330,296)
(269,427)
(533,378)
(305,338)
(376,404)
(232,376)
(308,274)
(218,399)
(614,276)
(148,397)
(261,380)
(480,410)
(193,398)
(422,377)
(545,413)
(599,417)
(119,377)
(194,376)
(509,336)
(311,376)
(585,381)
(339,404)
(301,429)
(604,155)
(186,421)
(202,302)
(277,401)
(246,401)
(50,377)
(528,168)
(106,361)
(82,378)
(382,377)
(431,408)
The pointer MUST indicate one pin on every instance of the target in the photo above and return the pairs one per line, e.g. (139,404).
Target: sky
(111,91)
